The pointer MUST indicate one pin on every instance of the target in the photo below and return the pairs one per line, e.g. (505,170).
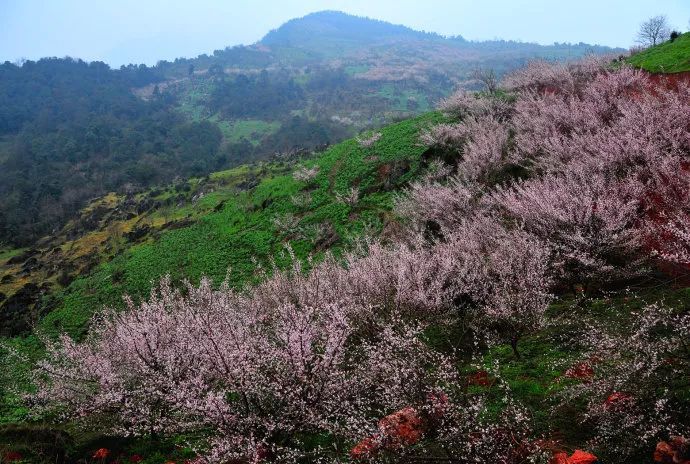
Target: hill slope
(223,225)
(71,131)
(601,337)
(668,57)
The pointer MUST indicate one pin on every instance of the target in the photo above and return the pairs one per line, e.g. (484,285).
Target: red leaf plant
(12,456)
(674,451)
(617,400)
(480,379)
(101,453)
(578,457)
(397,430)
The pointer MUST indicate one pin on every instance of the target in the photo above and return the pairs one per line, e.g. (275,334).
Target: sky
(146,31)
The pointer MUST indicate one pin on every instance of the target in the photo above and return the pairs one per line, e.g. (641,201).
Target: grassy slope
(243,230)
(669,57)
(232,228)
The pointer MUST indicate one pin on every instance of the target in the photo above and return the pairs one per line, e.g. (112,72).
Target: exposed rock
(172,225)
(138,233)
(327,238)
(30,265)
(144,206)
(15,312)
(389,173)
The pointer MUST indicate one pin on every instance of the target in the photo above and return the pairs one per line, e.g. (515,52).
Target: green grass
(242,231)
(7,254)
(669,57)
(253,130)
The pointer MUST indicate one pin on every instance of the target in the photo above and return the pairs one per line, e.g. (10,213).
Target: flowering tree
(666,203)
(257,377)
(500,275)
(634,399)
(588,221)
(612,121)
(480,144)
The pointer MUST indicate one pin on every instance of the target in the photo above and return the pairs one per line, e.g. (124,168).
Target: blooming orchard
(574,176)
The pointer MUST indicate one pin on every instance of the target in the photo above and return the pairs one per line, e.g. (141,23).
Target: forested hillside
(71,131)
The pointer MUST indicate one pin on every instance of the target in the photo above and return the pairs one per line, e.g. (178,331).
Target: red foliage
(479,378)
(402,428)
(676,451)
(365,449)
(581,370)
(135,458)
(560,458)
(616,399)
(12,456)
(581,457)
(578,457)
(101,453)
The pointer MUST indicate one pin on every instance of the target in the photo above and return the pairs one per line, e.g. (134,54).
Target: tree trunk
(514,345)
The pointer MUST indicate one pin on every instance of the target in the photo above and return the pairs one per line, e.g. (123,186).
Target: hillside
(205,226)
(222,225)
(668,57)
(72,131)
(516,299)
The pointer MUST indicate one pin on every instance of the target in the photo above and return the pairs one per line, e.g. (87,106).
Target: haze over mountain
(129,31)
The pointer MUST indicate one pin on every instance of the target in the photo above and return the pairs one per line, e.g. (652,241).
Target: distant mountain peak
(336,25)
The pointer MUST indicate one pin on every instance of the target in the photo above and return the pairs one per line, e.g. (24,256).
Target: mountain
(336,27)
(71,131)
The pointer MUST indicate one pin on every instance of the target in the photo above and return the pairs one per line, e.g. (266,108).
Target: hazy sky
(145,31)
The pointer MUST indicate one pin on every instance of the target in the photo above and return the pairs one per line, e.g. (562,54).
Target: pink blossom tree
(634,398)
(588,221)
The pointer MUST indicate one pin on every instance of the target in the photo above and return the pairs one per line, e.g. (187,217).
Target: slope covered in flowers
(545,238)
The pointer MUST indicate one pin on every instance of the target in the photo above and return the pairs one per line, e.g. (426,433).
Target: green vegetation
(668,57)
(253,130)
(243,232)
(246,217)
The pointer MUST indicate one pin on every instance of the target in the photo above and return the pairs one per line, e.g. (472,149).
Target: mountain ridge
(342,25)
